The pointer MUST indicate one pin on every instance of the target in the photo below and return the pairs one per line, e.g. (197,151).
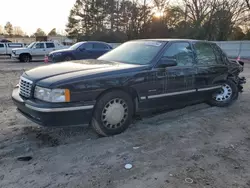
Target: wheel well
(25,54)
(231,77)
(129,90)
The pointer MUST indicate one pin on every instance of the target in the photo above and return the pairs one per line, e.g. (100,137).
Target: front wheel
(25,58)
(226,95)
(67,58)
(113,113)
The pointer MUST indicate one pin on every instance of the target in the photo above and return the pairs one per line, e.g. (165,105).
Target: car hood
(60,51)
(20,49)
(67,70)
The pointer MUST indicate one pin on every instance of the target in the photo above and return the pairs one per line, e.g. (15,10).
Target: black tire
(103,127)
(68,58)
(25,58)
(227,101)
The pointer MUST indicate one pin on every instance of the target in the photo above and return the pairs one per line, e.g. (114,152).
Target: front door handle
(161,74)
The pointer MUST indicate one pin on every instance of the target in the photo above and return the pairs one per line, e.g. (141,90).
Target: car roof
(93,41)
(169,40)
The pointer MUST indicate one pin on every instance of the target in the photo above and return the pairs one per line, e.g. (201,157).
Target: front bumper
(49,114)
(241,81)
(54,59)
(14,56)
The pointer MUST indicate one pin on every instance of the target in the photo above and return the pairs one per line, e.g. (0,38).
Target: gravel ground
(198,146)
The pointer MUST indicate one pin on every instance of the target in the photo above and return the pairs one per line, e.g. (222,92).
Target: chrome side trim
(143,98)
(209,88)
(59,109)
(170,94)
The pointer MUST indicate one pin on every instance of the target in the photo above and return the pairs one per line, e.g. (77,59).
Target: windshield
(75,46)
(135,52)
(31,45)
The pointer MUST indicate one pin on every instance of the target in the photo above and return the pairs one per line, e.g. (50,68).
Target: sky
(33,14)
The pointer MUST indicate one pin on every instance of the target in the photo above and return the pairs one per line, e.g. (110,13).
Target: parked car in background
(36,51)
(80,50)
(7,47)
(136,76)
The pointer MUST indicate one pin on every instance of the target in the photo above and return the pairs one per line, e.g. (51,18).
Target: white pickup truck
(36,51)
(6,48)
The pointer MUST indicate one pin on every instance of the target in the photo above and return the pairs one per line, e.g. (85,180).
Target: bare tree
(198,10)
(39,32)
(52,32)
(1,30)
(248,4)
(161,5)
(18,31)
(9,28)
(130,19)
(227,16)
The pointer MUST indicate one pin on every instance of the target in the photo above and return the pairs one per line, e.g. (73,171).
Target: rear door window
(39,45)
(220,56)
(204,54)
(86,46)
(50,45)
(99,46)
(1,45)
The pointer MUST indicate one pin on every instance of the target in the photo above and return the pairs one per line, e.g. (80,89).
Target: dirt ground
(198,146)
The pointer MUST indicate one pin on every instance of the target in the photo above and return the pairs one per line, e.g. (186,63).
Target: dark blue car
(80,50)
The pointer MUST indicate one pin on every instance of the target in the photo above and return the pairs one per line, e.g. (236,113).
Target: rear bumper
(47,114)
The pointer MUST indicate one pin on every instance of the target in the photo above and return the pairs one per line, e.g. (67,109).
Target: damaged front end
(235,68)
(241,81)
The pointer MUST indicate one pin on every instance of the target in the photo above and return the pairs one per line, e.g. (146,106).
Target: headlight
(52,95)
(57,54)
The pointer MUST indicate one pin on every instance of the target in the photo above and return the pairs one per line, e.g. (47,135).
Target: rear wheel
(113,113)
(25,58)
(226,95)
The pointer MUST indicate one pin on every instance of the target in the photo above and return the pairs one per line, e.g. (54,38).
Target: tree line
(121,20)
(16,31)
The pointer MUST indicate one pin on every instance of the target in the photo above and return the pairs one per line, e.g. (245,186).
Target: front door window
(181,52)
(180,77)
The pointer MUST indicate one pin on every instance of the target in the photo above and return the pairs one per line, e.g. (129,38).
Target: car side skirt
(179,92)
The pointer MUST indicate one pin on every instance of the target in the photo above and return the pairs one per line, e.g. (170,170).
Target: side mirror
(164,62)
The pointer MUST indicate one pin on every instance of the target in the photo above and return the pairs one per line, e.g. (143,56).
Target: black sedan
(136,76)
(80,50)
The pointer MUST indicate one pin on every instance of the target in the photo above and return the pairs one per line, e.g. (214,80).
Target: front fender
(90,89)
(23,52)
